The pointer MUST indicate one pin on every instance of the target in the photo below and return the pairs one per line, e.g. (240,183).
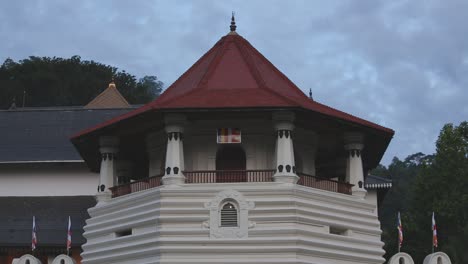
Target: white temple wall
(287,224)
(372,198)
(200,145)
(47,179)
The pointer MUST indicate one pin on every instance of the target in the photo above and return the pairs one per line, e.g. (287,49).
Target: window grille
(229,215)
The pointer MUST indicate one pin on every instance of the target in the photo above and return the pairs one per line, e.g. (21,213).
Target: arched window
(439,260)
(27,261)
(62,261)
(229,215)
(401,261)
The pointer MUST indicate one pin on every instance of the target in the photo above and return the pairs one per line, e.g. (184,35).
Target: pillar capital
(283,120)
(175,122)
(353,138)
(109,144)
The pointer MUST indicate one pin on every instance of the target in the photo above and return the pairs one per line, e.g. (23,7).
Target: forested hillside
(45,81)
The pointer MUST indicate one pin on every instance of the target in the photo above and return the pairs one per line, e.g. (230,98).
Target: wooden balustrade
(217,176)
(324,183)
(226,176)
(136,186)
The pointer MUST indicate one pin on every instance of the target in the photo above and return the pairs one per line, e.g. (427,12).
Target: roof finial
(233,23)
(310,94)
(112,83)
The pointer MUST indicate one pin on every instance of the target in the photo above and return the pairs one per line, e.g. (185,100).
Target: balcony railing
(226,176)
(215,176)
(324,183)
(136,186)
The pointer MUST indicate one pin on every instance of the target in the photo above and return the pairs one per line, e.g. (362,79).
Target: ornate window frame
(214,223)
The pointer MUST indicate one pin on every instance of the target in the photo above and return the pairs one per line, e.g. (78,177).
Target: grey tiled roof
(42,134)
(51,220)
(377,182)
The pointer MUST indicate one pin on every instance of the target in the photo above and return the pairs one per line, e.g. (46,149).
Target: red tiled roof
(233,74)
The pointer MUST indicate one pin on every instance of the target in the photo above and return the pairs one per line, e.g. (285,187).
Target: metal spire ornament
(233,23)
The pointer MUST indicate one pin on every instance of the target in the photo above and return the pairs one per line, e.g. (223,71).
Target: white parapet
(276,223)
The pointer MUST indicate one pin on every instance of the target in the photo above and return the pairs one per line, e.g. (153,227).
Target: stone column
(108,148)
(285,165)
(175,150)
(354,143)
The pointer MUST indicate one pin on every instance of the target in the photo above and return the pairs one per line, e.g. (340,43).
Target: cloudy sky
(401,64)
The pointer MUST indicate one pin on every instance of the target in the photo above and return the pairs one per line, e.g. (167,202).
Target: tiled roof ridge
(166,92)
(254,71)
(274,68)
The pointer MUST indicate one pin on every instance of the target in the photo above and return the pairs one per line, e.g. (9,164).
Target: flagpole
(433,227)
(69,236)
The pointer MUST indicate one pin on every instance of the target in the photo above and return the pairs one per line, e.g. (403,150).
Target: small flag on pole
(34,235)
(434,233)
(400,232)
(69,234)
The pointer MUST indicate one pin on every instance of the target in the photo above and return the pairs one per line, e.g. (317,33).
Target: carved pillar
(108,148)
(175,150)
(285,165)
(354,143)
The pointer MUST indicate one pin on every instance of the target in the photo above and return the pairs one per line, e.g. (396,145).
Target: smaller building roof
(42,134)
(51,215)
(109,98)
(377,182)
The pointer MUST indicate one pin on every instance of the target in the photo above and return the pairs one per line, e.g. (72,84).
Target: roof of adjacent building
(109,98)
(51,215)
(233,75)
(42,134)
(377,182)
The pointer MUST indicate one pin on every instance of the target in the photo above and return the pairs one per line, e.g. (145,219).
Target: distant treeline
(423,184)
(45,81)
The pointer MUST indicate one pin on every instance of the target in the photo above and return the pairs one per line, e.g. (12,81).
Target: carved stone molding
(214,223)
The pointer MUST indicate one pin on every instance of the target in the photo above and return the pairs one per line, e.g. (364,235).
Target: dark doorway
(230,163)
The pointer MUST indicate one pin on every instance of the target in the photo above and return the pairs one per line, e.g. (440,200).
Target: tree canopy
(423,184)
(45,81)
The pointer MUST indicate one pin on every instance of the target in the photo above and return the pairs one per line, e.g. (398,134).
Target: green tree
(398,199)
(45,81)
(441,187)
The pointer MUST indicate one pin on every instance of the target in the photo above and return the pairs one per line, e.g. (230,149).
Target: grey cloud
(401,64)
